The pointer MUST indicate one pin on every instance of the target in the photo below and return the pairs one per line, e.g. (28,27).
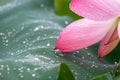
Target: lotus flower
(101,22)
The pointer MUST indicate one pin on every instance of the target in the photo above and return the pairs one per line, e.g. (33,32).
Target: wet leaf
(28,32)
(65,73)
(106,76)
(62,8)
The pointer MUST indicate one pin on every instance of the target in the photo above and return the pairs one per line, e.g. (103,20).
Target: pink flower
(101,22)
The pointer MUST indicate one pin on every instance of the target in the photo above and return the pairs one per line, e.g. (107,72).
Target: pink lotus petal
(109,42)
(119,30)
(82,33)
(96,9)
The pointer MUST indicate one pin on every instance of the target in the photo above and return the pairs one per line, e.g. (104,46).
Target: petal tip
(54,48)
(99,56)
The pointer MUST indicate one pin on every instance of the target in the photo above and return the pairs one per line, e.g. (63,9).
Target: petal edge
(82,33)
(96,9)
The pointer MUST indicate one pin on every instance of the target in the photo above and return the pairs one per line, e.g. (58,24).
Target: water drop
(76,73)
(83,57)
(28,69)
(6,44)
(21,76)
(52,61)
(37,77)
(61,54)
(42,5)
(6,41)
(14,68)
(1,67)
(36,29)
(86,48)
(22,28)
(36,59)
(49,77)
(24,42)
(66,22)
(74,61)
(42,26)
(81,63)
(48,44)
(35,69)
(78,51)
(92,66)
(88,54)
(9,33)
(33,75)
(116,63)
(7,67)
(20,69)
(4,37)
(1,34)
